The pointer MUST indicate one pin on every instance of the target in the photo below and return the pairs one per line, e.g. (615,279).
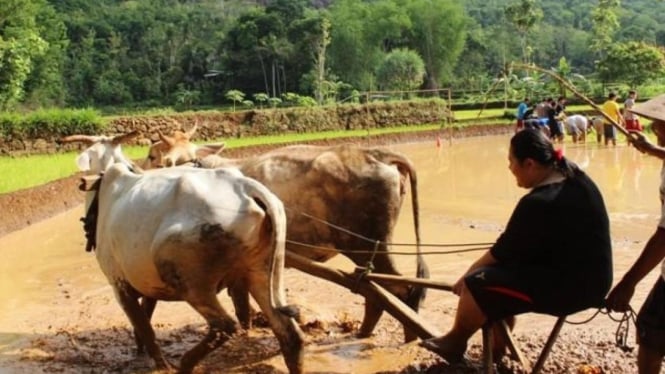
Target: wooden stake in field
(572,89)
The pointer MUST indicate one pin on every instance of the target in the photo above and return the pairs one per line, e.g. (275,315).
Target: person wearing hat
(651,317)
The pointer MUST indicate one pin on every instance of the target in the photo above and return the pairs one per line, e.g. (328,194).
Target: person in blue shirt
(521,110)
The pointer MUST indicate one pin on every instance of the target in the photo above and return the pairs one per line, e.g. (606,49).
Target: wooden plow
(371,290)
(370,286)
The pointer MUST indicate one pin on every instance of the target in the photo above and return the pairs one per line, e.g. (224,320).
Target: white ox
(185,234)
(342,198)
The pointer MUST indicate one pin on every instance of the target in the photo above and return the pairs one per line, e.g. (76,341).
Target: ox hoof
(445,349)
(291,311)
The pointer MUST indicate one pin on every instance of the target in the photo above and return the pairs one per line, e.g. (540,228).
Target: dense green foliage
(147,53)
(51,122)
(402,69)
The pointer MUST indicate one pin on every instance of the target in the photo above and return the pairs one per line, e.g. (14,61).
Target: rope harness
(623,328)
(369,267)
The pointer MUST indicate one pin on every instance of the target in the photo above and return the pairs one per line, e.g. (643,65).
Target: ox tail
(417,295)
(405,167)
(276,213)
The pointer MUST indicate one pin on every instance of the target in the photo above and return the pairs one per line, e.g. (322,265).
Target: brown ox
(177,150)
(342,198)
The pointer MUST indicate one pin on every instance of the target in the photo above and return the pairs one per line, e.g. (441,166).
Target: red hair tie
(558,154)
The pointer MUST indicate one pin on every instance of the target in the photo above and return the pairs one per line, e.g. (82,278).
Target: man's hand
(640,141)
(459,285)
(619,298)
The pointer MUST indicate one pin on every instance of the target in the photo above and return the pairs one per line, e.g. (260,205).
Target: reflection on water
(471,179)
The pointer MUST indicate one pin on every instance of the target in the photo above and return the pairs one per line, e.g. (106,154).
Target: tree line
(150,53)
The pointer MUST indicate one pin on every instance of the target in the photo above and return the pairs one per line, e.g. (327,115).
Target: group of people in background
(549,116)
(544,116)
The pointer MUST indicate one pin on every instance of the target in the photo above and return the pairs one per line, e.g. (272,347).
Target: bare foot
(451,351)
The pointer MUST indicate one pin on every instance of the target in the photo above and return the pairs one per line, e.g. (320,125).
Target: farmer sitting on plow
(554,256)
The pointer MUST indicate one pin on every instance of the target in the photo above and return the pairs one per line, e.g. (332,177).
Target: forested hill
(148,53)
(640,19)
(565,27)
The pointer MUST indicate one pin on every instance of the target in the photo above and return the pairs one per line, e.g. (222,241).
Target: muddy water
(49,284)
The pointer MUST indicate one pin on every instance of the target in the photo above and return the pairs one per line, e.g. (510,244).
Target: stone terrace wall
(219,125)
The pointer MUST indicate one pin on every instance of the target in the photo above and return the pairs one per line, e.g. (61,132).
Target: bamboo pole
(387,278)
(572,89)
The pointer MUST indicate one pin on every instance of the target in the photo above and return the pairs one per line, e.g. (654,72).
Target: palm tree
(235,96)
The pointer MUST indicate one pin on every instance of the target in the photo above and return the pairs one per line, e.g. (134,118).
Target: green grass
(22,172)
(463,115)
(289,138)
(28,171)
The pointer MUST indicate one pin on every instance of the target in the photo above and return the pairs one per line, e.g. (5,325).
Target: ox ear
(83,161)
(209,149)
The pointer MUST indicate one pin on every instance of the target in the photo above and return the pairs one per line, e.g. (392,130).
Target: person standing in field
(651,317)
(555,130)
(560,114)
(632,120)
(611,109)
(521,112)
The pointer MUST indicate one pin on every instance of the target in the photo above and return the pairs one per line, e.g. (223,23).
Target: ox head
(102,151)
(177,150)
(173,150)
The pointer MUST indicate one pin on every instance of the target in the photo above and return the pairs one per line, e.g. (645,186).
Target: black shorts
(555,129)
(501,292)
(651,319)
(609,131)
(506,290)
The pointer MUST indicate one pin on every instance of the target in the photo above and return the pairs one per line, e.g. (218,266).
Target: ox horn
(166,139)
(87,139)
(123,138)
(191,131)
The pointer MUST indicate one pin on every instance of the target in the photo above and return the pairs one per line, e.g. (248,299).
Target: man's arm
(643,145)
(652,254)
